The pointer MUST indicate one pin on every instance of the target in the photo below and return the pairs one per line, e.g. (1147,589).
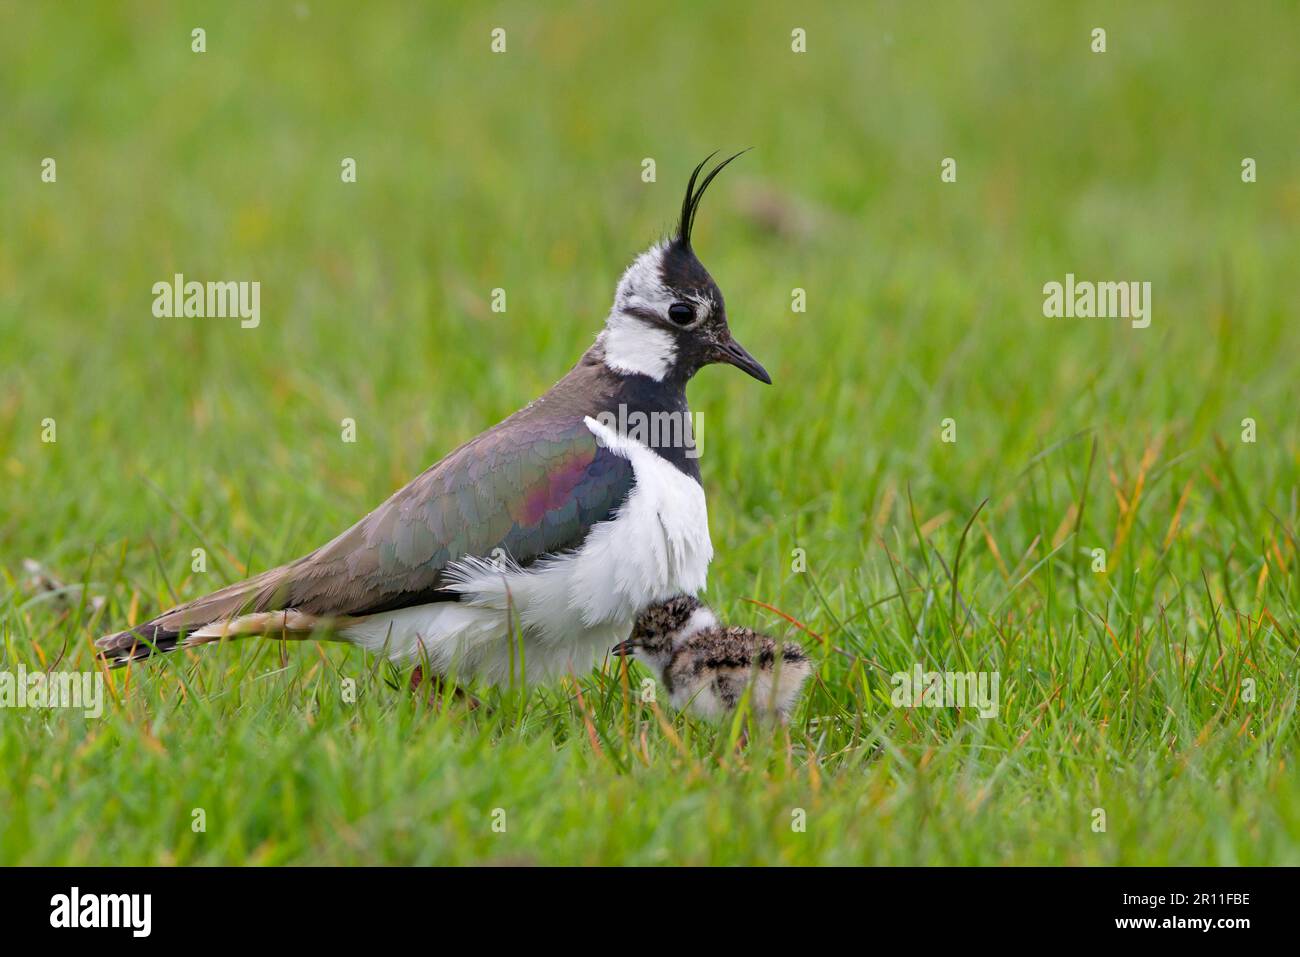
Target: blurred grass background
(1121,690)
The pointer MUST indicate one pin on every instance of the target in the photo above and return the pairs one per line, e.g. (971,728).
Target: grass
(1161,691)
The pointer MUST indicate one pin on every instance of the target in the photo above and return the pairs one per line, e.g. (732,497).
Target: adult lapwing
(528,551)
(705,666)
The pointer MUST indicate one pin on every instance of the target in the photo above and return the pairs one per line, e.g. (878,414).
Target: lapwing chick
(529,550)
(706,666)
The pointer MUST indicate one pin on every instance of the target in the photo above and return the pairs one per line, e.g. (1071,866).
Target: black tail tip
(136,644)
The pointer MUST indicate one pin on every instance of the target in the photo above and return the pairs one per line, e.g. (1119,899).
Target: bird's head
(669,319)
(661,628)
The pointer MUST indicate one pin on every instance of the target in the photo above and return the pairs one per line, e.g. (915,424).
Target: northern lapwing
(705,666)
(530,550)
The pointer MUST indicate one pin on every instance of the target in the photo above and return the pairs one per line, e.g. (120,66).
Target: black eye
(681,314)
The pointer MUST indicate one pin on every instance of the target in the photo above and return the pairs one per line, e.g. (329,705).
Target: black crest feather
(693,196)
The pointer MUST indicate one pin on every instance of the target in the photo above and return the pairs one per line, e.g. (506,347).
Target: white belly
(560,615)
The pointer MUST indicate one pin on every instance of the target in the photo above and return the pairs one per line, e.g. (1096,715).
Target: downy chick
(705,666)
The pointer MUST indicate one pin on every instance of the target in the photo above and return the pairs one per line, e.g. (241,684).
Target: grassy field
(1161,691)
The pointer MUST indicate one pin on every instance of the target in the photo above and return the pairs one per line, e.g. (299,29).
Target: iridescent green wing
(531,487)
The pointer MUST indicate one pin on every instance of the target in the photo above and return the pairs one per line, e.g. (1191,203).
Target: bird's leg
(440,688)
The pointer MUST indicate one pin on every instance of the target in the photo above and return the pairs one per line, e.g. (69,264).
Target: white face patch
(633,345)
(641,285)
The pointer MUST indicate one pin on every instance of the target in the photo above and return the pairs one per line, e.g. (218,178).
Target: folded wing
(531,490)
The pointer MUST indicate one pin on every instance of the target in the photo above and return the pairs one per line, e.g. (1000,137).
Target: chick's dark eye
(681,314)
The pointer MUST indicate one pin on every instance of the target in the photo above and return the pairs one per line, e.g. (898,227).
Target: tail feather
(148,639)
(233,611)
(136,644)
